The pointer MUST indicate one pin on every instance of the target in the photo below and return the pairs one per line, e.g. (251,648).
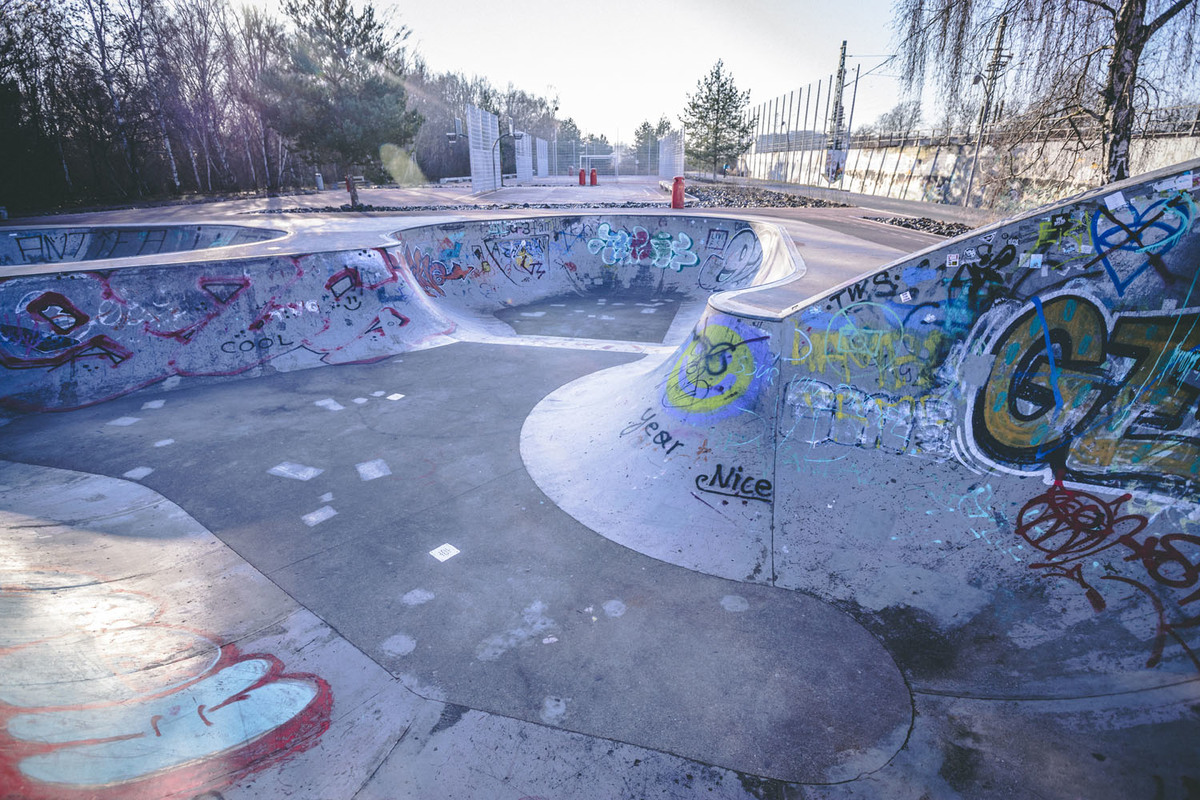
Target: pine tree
(714,120)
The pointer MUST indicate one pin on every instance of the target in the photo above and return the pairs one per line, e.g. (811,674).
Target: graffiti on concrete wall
(731,261)
(1065,344)
(1100,400)
(106,332)
(638,246)
(1073,532)
(520,259)
(721,370)
(54,246)
(103,699)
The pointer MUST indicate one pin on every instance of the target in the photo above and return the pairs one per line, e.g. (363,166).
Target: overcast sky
(615,63)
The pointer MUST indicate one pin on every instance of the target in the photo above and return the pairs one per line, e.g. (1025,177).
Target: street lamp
(500,171)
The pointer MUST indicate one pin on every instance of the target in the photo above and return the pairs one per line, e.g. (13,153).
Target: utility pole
(835,157)
(850,128)
(995,66)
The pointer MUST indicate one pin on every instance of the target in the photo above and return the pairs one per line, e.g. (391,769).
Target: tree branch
(1105,6)
(1165,17)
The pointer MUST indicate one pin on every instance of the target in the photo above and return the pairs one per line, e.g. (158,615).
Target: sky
(616,63)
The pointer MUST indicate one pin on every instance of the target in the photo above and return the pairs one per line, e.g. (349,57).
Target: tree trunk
(250,159)
(1130,39)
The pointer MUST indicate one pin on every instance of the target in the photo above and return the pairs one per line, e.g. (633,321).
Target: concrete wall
(993,445)
(74,338)
(1007,180)
(63,244)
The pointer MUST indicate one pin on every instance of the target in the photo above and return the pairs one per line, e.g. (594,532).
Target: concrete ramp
(940,524)
(988,451)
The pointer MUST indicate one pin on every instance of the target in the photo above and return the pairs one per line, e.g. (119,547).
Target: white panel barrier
(483,129)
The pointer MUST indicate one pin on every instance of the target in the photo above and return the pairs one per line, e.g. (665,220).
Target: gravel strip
(926,225)
(713,196)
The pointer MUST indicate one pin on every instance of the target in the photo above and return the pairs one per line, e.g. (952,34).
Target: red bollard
(677,192)
(593,176)
(582,180)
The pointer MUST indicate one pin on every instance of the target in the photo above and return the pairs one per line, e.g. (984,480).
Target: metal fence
(524,157)
(671,155)
(483,131)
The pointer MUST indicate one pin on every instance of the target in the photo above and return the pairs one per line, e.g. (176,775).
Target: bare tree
(254,44)
(1080,68)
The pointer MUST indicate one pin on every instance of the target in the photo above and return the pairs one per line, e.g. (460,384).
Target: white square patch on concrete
(330,403)
(124,422)
(370,470)
(297,472)
(396,396)
(164,442)
(153,404)
(320,515)
(137,473)
(444,552)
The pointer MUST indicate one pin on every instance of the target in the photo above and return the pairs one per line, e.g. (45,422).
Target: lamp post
(495,146)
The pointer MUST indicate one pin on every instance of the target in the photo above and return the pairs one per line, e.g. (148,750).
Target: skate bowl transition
(985,454)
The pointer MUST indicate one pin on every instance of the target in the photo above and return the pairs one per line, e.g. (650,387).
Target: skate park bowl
(624,494)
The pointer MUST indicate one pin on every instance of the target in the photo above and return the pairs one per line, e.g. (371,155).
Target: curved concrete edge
(857,473)
(620,477)
(30,251)
(141,613)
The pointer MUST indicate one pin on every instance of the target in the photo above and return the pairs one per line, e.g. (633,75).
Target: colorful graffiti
(106,332)
(660,249)
(81,337)
(1109,403)
(100,698)
(1151,230)
(521,259)
(846,415)
(720,370)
